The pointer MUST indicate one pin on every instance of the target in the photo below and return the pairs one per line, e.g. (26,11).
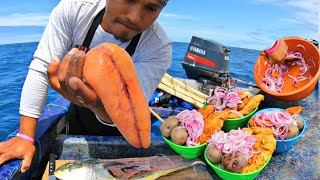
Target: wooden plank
(167,79)
(58,164)
(184,91)
(181,90)
(190,100)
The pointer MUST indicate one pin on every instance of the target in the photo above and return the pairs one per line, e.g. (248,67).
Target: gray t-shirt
(68,25)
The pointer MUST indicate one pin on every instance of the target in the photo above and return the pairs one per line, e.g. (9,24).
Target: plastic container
(230,124)
(304,88)
(283,146)
(234,176)
(188,152)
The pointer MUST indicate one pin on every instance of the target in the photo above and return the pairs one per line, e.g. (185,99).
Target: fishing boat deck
(300,162)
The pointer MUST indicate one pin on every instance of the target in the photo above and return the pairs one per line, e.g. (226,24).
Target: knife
(52,166)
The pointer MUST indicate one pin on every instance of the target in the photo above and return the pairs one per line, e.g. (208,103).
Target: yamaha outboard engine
(206,58)
(207,62)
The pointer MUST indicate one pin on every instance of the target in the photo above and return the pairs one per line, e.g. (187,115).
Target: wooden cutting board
(58,164)
(200,172)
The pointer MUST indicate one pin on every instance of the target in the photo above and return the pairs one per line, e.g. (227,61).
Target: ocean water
(15,60)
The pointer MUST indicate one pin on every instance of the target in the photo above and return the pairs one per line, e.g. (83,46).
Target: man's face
(127,18)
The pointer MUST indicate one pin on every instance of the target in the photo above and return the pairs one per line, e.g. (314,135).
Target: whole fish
(94,169)
(86,170)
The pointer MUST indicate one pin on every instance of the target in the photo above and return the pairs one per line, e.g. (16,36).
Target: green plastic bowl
(188,152)
(234,176)
(230,124)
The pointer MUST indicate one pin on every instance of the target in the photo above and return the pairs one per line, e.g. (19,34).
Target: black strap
(131,48)
(93,28)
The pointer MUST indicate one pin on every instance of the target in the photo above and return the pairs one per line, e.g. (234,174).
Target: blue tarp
(165,100)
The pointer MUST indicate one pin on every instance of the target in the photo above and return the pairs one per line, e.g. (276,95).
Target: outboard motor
(314,42)
(207,62)
(206,59)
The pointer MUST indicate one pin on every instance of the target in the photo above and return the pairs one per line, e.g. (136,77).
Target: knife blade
(52,166)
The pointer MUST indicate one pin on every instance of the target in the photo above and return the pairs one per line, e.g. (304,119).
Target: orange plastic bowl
(304,88)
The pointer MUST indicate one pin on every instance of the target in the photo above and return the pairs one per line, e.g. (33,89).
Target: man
(122,22)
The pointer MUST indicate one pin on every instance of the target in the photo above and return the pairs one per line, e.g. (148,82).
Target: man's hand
(66,78)
(17,148)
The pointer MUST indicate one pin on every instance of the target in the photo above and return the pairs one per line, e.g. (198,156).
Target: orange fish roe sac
(264,148)
(126,95)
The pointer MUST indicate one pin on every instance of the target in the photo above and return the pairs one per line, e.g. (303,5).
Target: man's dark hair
(163,2)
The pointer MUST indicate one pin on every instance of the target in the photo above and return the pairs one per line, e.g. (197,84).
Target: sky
(252,24)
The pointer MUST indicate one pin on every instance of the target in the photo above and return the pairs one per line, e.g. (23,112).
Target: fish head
(74,170)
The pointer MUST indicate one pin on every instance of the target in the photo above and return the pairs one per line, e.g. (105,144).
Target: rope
(57,105)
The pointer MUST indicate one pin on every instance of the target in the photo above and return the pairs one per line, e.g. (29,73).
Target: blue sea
(15,60)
